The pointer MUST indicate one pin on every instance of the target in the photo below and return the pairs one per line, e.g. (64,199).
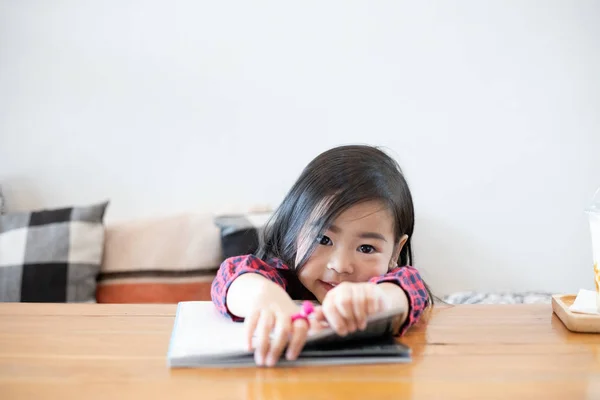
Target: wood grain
(99,351)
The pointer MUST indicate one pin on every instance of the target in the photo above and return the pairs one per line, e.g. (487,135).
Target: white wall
(492,108)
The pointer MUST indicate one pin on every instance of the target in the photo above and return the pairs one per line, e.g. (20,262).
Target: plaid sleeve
(233,267)
(410,281)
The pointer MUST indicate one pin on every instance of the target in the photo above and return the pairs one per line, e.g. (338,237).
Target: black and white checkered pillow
(241,233)
(51,255)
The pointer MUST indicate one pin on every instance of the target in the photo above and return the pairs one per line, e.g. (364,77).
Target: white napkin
(585,302)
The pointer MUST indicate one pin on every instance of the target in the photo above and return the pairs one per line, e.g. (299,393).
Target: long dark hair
(330,184)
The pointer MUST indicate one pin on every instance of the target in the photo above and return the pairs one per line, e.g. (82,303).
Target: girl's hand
(272,329)
(347,306)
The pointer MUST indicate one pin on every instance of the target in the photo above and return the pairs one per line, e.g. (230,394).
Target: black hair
(331,183)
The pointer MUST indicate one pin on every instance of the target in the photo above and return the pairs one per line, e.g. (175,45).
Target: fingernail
(270,361)
(259,360)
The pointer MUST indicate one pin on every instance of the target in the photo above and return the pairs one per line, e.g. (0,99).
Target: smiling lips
(328,285)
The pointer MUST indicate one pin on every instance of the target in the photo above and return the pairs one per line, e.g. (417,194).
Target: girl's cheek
(377,267)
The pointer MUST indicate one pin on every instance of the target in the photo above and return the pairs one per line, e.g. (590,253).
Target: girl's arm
(405,287)
(247,276)
(267,310)
(252,291)
(347,306)
(397,298)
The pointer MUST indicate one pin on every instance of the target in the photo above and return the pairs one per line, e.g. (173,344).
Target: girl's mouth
(327,285)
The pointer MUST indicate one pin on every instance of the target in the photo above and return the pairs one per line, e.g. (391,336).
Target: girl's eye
(324,240)
(366,248)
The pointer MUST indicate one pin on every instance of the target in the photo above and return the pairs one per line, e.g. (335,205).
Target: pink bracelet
(307,309)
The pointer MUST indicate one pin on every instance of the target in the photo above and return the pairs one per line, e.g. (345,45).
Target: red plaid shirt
(407,278)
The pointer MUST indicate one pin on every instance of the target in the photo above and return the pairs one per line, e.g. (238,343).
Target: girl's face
(358,245)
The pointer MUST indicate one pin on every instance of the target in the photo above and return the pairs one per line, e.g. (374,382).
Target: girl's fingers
(283,329)
(318,316)
(263,332)
(250,325)
(318,321)
(373,304)
(334,318)
(360,306)
(299,334)
(345,306)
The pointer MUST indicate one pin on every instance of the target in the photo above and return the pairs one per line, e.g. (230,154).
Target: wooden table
(97,351)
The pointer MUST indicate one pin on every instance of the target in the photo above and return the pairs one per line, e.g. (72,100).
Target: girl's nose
(340,263)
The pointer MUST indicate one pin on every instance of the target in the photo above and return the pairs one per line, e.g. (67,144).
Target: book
(202,337)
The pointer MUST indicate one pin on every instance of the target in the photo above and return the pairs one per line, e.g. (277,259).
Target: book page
(203,337)
(200,330)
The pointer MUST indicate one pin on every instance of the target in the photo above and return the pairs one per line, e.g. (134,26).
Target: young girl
(342,237)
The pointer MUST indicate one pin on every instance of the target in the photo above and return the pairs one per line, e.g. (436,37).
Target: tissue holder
(575,322)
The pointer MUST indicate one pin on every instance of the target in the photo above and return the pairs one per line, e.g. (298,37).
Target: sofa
(70,254)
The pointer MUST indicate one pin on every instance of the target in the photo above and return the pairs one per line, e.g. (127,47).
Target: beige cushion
(159,260)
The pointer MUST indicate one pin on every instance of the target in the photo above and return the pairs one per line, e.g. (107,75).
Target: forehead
(370,215)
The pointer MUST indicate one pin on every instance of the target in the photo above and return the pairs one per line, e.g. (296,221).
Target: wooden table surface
(89,351)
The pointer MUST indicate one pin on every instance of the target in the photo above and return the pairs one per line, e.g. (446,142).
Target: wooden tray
(573,321)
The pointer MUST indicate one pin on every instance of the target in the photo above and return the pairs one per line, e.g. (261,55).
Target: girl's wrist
(275,298)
